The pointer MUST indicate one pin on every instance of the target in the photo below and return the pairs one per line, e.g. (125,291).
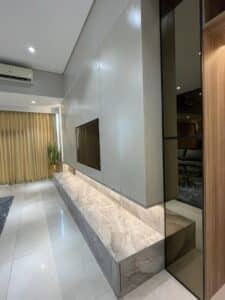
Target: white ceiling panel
(52,27)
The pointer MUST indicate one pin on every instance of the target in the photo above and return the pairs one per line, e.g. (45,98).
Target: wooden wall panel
(214,156)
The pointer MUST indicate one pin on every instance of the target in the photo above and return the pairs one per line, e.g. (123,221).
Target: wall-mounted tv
(88,144)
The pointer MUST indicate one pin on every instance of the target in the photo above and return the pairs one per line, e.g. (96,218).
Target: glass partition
(183,145)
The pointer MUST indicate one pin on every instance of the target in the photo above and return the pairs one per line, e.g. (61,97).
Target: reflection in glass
(183,151)
(189,126)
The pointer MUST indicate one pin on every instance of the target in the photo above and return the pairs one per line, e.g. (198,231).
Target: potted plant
(54,159)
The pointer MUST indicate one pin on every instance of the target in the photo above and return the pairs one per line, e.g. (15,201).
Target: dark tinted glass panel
(183,145)
(88,145)
(213,8)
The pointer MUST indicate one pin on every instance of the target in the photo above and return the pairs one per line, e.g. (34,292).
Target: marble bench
(128,250)
(180,236)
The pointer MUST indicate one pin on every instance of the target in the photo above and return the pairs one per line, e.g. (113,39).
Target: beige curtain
(24,139)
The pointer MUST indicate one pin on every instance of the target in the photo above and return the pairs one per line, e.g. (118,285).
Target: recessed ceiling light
(178,88)
(33,102)
(31,49)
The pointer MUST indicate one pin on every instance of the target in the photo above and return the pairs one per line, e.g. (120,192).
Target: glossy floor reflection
(44,256)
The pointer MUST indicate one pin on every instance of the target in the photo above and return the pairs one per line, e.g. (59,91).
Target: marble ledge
(152,216)
(121,232)
(128,250)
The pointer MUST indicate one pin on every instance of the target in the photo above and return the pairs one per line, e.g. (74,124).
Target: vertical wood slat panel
(214,156)
(23,146)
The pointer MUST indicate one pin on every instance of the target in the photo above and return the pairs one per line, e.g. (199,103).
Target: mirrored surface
(183,145)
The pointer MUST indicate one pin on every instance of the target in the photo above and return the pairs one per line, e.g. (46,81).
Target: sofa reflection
(190,176)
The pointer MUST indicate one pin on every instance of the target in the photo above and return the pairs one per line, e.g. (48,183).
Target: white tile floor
(43,255)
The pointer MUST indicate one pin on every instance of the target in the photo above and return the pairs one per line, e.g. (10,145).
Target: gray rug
(5,203)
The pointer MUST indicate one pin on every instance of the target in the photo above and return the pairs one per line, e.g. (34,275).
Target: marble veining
(128,250)
(152,216)
(122,233)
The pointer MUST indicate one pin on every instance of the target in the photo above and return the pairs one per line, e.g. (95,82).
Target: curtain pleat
(24,140)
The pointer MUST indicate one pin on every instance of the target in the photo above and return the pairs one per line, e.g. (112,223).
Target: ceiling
(52,27)
(25,101)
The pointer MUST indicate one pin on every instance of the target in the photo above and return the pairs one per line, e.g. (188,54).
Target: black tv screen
(88,144)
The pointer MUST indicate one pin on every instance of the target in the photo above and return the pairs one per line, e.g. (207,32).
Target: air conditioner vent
(9,72)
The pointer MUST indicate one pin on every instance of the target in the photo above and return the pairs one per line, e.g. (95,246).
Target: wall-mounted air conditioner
(19,74)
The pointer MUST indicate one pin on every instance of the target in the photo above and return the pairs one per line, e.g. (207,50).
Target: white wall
(152,100)
(104,79)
